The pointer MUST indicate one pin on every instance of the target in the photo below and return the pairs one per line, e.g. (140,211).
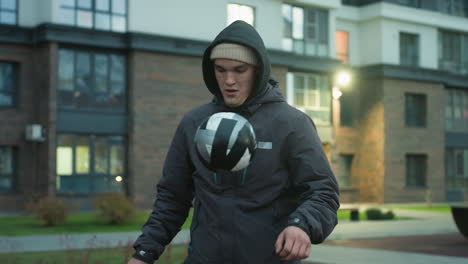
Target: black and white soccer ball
(226,141)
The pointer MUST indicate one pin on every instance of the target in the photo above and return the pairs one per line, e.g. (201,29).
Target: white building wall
(203,20)
(370,44)
(34,12)
(374,29)
(428,42)
(379,26)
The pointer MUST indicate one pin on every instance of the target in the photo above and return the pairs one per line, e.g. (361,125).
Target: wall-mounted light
(118,178)
(336,93)
(343,79)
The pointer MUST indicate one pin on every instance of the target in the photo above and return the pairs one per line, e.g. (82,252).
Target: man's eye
(241,70)
(219,69)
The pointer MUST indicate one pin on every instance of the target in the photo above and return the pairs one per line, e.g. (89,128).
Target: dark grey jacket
(238,216)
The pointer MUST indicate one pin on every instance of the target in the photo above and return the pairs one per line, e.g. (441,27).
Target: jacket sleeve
(313,179)
(173,200)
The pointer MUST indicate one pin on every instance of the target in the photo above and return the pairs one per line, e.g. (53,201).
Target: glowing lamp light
(118,178)
(343,78)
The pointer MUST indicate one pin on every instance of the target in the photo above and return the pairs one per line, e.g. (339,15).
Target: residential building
(91,91)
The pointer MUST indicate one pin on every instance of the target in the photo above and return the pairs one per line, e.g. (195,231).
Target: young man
(288,195)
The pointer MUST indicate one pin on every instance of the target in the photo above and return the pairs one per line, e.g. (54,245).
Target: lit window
(98,14)
(240,12)
(310,93)
(342,46)
(90,164)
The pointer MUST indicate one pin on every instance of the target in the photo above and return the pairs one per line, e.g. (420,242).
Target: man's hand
(135,261)
(293,243)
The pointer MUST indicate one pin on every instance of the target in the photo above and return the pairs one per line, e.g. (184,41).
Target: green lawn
(75,224)
(89,223)
(172,254)
(435,208)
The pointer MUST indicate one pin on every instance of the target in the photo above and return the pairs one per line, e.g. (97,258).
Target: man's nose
(230,78)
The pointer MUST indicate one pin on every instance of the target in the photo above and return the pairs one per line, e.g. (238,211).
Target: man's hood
(241,33)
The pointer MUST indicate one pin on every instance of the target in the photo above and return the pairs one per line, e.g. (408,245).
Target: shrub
(50,211)
(374,214)
(389,215)
(377,214)
(114,208)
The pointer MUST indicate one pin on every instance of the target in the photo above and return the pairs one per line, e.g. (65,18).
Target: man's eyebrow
(240,67)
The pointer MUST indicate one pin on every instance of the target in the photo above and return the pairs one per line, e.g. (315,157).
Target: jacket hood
(239,32)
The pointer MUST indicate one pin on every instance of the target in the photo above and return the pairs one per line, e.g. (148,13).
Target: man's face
(235,80)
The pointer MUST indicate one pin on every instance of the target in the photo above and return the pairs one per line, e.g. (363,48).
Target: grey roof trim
(139,41)
(413,74)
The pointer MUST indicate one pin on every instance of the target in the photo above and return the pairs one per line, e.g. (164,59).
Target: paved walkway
(423,224)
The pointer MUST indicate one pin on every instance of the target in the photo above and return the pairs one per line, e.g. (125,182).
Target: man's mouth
(230,92)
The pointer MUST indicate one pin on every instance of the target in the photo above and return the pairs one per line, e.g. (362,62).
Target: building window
(416,167)
(410,3)
(456,110)
(90,164)
(240,12)
(453,52)
(311,94)
(409,49)
(342,46)
(7,168)
(345,162)
(346,110)
(305,30)
(97,14)
(454,7)
(8,12)
(456,166)
(415,110)
(7,85)
(91,80)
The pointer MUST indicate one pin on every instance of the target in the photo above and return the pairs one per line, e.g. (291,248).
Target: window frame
(14,167)
(321,31)
(344,57)
(414,60)
(348,182)
(254,12)
(14,84)
(323,82)
(92,174)
(455,45)
(94,12)
(10,11)
(412,158)
(456,103)
(93,92)
(415,121)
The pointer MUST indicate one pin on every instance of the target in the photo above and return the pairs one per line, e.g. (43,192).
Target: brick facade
(32,106)
(401,140)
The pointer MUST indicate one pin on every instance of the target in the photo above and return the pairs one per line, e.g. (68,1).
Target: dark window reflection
(89,80)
